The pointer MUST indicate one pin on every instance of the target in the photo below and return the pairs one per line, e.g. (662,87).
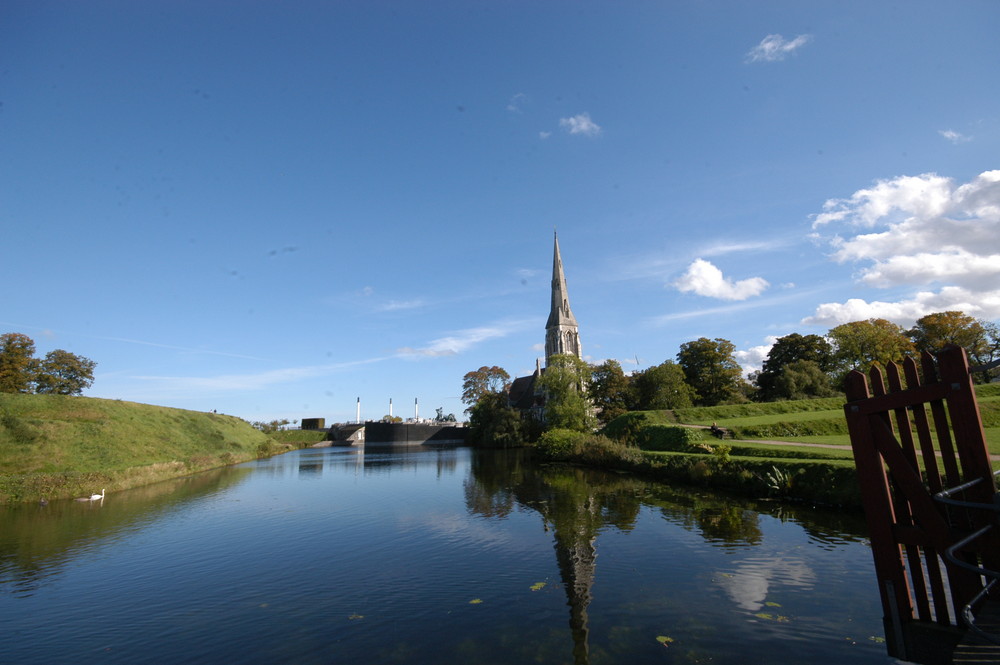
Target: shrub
(594,449)
(559,444)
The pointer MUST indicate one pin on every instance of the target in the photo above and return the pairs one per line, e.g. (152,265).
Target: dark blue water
(414,555)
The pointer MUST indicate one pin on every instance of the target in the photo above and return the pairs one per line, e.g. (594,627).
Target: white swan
(93,497)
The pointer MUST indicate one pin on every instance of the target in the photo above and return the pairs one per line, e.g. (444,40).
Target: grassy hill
(815,420)
(57,446)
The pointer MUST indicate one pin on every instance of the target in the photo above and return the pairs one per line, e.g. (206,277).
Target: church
(562,336)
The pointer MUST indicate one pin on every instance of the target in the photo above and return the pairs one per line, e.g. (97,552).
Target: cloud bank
(922,232)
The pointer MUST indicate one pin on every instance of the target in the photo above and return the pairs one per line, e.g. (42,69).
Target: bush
(559,444)
(593,449)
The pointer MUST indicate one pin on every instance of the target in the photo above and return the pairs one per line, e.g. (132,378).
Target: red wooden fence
(911,442)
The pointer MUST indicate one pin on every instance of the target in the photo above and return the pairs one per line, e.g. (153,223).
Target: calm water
(413,555)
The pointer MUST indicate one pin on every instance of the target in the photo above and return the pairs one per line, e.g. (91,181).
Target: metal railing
(951,553)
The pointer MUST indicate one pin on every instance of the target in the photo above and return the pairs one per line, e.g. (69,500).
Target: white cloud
(544,135)
(775,47)
(396,305)
(188,386)
(918,231)
(705,279)
(580,124)
(983,304)
(460,341)
(752,359)
(516,102)
(954,136)
(769,245)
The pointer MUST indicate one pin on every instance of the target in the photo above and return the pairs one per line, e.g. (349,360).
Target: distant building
(562,337)
(313,423)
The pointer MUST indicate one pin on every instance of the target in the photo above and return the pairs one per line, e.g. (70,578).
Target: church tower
(561,331)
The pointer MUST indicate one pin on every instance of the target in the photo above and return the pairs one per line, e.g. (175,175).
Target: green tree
(802,379)
(64,373)
(564,382)
(711,370)
(860,344)
(272,426)
(979,338)
(483,381)
(493,423)
(787,350)
(662,386)
(17,363)
(609,390)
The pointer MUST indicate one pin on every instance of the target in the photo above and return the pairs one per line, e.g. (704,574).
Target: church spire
(561,331)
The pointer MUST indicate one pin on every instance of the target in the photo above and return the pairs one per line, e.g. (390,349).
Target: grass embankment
(816,421)
(55,446)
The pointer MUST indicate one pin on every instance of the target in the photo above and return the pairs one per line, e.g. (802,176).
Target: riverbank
(59,446)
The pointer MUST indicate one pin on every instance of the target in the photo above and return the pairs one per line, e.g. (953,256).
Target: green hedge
(788,429)
(710,413)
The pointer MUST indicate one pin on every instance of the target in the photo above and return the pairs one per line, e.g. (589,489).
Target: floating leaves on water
(537,586)
(475,601)
(876,639)
(355,617)
(772,617)
(771,604)
(664,640)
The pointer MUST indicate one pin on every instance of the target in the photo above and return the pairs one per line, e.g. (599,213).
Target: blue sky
(273,209)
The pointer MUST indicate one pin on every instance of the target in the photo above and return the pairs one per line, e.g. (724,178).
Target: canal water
(417,555)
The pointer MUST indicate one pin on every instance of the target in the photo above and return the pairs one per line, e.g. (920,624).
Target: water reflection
(376,554)
(36,541)
(577,505)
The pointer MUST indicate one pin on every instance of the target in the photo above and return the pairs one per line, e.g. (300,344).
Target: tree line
(705,372)
(58,373)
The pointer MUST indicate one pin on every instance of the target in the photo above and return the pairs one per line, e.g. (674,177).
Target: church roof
(560,314)
(522,392)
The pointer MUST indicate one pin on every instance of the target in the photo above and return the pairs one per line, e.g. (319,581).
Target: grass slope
(815,420)
(57,446)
